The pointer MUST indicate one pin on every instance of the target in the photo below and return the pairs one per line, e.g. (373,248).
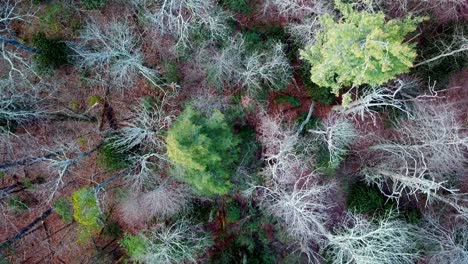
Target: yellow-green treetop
(203,151)
(361,48)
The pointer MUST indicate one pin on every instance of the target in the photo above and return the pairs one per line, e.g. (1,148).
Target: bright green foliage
(203,150)
(361,48)
(64,208)
(93,100)
(51,53)
(135,245)
(93,4)
(85,208)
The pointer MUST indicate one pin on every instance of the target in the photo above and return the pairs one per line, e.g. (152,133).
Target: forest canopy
(233,131)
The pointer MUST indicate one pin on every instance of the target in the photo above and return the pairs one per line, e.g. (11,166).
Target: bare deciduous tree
(271,67)
(10,11)
(235,65)
(163,202)
(18,109)
(146,126)
(457,47)
(224,65)
(390,96)
(446,245)
(176,243)
(145,130)
(337,134)
(113,48)
(180,18)
(12,51)
(387,241)
(297,9)
(303,210)
(305,31)
(284,165)
(60,160)
(450,8)
(303,17)
(429,148)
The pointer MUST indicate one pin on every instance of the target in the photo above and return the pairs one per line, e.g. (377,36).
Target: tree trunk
(17,44)
(26,229)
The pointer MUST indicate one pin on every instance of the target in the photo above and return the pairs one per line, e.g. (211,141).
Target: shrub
(110,159)
(237,6)
(253,40)
(3,260)
(288,99)
(249,151)
(17,204)
(52,17)
(59,19)
(450,37)
(263,37)
(171,73)
(364,199)
(413,216)
(361,48)
(249,239)
(313,123)
(203,151)
(134,245)
(51,53)
(93,100)
(28,184)
(113,230)
(93,4)
(323,164)
(86,209)
(64,208)
(233,211)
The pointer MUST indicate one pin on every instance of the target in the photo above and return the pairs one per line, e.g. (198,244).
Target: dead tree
(428,148)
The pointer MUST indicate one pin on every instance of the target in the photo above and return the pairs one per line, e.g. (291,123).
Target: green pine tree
(203,151)
(361,48)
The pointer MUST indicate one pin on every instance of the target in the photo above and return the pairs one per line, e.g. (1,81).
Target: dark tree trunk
(26,229)
(17,44)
